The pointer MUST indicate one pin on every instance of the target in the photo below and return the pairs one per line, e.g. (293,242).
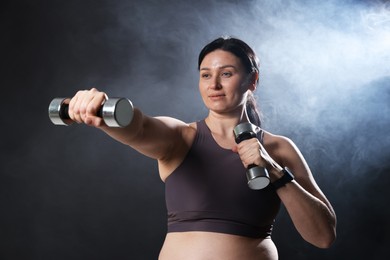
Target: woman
(212,214)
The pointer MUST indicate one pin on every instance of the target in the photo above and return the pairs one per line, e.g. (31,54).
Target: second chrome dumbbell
(257,176)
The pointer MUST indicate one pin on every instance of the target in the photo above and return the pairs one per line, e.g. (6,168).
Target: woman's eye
(205,75)
(226,74)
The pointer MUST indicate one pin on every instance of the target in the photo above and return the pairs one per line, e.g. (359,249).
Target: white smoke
(324,64)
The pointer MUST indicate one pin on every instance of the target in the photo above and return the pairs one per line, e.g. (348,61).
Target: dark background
(73,193)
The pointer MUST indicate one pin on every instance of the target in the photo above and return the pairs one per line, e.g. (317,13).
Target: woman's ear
(254,81)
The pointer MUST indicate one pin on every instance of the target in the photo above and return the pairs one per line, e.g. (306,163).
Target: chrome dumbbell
(116,112)
(258,177)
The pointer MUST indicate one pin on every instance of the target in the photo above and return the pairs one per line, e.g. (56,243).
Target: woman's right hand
(83,107)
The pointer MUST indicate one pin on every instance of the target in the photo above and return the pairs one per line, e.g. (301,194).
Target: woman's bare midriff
(216,246)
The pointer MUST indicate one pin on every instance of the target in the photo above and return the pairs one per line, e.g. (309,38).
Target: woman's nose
(215,83)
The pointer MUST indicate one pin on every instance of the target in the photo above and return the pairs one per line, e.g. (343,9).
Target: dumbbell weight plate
(57,113)
(117,112)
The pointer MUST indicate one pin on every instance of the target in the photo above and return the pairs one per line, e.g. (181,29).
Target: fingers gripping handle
(116,112)
(257,177)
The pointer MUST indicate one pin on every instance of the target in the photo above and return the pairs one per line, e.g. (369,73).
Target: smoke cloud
(324,67)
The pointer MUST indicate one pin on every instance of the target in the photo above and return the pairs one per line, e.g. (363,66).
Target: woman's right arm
(155,137)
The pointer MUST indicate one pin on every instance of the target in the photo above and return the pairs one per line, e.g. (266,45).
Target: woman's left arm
(309,209)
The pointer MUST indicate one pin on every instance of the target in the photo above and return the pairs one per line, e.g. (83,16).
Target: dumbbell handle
(258,177)
(116,112)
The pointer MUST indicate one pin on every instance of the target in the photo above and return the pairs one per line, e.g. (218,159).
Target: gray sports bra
(209,192)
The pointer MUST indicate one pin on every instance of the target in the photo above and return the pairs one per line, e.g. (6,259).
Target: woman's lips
(216,96)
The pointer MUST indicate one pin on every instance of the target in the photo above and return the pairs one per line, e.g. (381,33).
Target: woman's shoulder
(274,140)
(280,147)
(186,131)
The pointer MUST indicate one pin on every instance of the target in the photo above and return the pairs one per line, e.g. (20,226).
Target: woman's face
(223,82)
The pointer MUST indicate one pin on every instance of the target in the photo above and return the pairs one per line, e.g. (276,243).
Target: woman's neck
(223,124)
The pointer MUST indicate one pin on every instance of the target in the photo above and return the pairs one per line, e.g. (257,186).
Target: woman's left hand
(251,151)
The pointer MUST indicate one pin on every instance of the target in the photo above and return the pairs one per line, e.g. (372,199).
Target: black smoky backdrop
(74,193)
